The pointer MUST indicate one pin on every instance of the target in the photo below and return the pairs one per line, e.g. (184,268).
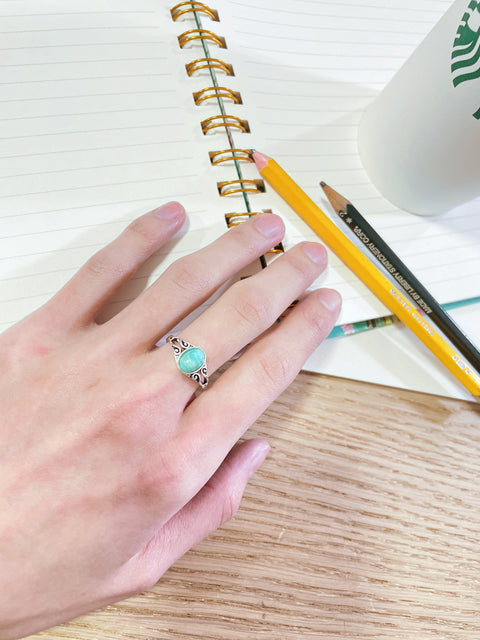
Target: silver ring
(191,360)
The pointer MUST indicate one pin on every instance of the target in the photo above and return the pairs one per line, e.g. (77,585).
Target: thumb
(216,503)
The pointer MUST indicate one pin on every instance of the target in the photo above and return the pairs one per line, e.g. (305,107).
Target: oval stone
(191,360)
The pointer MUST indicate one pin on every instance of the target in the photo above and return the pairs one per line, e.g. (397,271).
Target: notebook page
(306,70)
(97,127)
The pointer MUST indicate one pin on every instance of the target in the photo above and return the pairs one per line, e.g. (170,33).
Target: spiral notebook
(110,108)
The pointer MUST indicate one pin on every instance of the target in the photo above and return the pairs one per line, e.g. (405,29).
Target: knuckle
(247,242)
(145,240)
(137,242)
(226,503)
(171,476)
(101,264)
(147,481)
(173,472)
(300,265)
(317,320)
(160,479)
(191,277)
(274,369)
(231,504)
(250,305)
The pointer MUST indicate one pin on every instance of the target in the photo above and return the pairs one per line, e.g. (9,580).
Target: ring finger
(191,280)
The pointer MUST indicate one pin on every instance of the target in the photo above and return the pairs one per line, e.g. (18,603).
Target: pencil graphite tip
(337,201)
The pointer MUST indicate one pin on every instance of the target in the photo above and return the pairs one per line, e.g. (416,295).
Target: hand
(108,471)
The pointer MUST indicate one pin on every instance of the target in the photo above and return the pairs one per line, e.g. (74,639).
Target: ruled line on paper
(327,69)
(87,78)
(165,125)
(320,9)
(89,61)
(68,45)
(82,29)
(325,35)
(73,150)
(113,94)
(43,117)
(112,201)
(75,13)
(411,6)
(336,56)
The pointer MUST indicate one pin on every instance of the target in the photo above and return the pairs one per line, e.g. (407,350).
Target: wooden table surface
(364,522)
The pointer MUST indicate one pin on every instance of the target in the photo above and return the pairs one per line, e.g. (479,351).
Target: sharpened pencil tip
(260,159)
(323,184)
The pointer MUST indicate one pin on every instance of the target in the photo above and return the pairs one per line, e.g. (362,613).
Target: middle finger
(191,280)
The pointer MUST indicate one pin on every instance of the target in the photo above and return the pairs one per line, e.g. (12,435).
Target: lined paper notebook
(99,124)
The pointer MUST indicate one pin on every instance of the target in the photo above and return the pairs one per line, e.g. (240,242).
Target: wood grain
(363,523)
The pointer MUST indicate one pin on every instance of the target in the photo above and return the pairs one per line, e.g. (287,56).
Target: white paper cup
(420,139)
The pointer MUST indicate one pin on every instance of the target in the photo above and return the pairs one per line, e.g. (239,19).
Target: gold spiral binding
(224,121)
(209,63)
(234,218)
(201,34)
(288,309)
(278,249)
(231,155)
(191,7)
(231,187)
(210,93)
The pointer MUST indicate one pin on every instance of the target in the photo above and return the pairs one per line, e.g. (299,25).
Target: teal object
(384,321)
(191,360)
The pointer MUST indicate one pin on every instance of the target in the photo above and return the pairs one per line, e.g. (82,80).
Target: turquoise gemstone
(191,360)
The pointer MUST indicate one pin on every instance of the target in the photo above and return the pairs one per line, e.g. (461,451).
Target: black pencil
(402,275)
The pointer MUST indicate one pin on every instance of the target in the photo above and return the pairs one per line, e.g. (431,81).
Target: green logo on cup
(466,48)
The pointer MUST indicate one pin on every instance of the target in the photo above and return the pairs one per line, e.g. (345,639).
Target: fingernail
(258,456)
(330,299)
(170,211)
(269,225)
(316,252)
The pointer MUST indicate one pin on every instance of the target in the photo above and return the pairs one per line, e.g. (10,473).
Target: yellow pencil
(346,250)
